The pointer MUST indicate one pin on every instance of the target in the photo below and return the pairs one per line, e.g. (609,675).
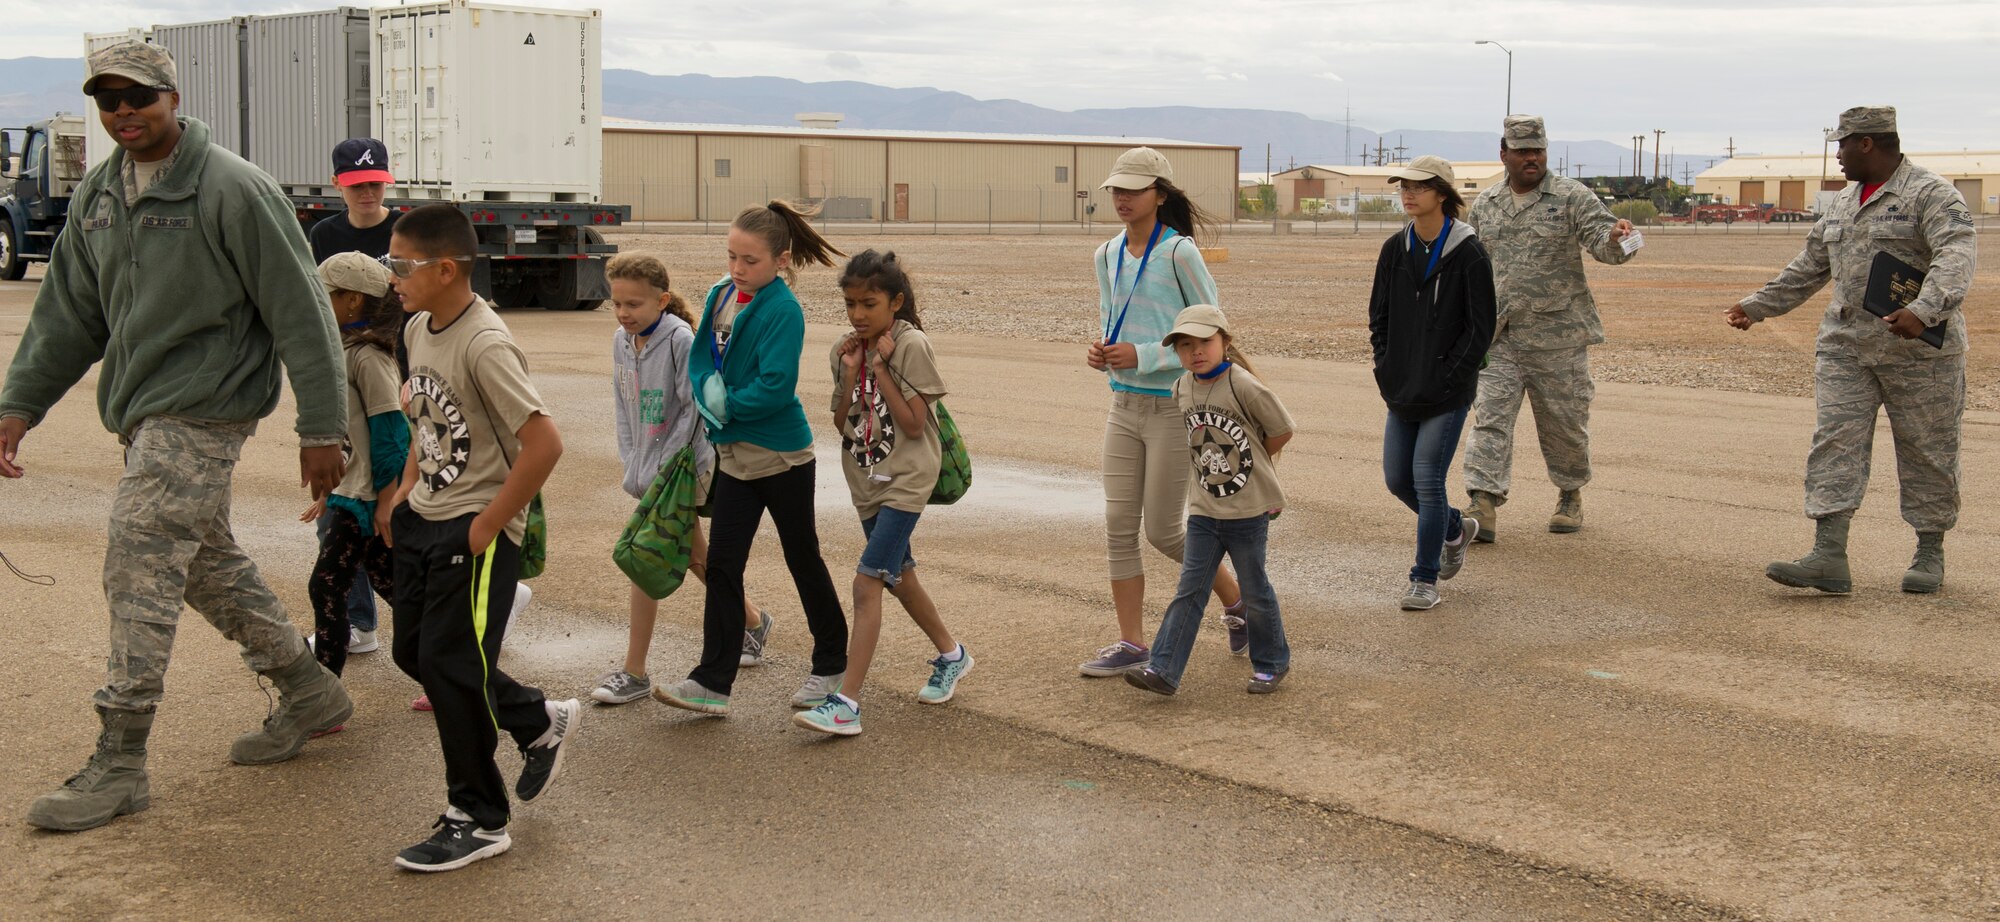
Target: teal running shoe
(838,716)
(944,677)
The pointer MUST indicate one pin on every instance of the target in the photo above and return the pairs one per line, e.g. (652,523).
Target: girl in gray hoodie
(656,418)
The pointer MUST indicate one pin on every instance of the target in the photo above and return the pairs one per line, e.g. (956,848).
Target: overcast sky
(1768,73)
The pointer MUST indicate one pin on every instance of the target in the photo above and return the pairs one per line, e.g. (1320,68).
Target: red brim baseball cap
(357,177)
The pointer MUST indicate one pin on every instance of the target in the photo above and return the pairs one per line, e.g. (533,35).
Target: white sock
(850,702)
(958,653)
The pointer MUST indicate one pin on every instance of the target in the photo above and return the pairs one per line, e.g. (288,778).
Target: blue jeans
(360,598)
(1416,458)
(888,552)
(1207,540)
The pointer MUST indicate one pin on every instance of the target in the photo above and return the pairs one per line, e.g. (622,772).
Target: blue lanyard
(1111,335)
(1217,373)
(713,349)
(656,325)
(1437,247)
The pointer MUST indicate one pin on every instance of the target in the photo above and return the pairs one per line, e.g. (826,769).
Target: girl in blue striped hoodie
(1145,276)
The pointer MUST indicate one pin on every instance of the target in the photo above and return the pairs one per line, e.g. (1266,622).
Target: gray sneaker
(1453,558)
(1119,658)
(753,641)
(1421,597)
(621,687)
(814,692)
(690,695)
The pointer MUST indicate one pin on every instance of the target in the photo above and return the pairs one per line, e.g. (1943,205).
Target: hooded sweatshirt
(191,297)
(655,402)
(1430,332)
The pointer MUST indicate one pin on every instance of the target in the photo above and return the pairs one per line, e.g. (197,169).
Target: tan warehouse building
(1337,185)
(1790,182)
(684,172)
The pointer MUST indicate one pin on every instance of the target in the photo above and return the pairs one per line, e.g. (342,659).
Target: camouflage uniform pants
(169,541)
(1557,383)
(1926,403)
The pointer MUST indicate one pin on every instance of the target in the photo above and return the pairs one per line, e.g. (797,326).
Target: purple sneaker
(1239,630)
(1120,657)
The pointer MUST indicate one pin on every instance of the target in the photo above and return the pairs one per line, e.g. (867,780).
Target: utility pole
(1347,133)
(1381,152)
(1732,148)
(1579,170)
(1267,163)
(1400,149)
(1657,132)
(1638,156)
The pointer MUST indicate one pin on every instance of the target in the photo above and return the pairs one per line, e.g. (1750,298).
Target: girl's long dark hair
(1179,212)
(385,322)
(879,270)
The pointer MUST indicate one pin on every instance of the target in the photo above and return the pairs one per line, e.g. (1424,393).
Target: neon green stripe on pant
(482,582)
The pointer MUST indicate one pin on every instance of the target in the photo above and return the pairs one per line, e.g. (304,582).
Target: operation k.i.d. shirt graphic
(1220,446)
(444,443)
(874,427)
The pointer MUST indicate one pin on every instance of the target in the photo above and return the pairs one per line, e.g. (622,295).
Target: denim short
(888,534)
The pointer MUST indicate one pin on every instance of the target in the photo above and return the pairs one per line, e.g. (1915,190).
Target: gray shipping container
(208,58)
(307,76)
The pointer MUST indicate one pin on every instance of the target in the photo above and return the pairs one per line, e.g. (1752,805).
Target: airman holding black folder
(1898,246)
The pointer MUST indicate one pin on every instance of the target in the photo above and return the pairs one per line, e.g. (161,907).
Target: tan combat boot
(310,700)
(1926,573)
(1569,513)
(1485,508)
(112,783)
(1825,569)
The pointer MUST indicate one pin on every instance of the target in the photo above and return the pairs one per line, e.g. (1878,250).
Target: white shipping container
(306,77)
(481,102)
(208,59)
(97,143)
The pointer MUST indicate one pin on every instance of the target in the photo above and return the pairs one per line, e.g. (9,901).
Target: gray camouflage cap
(1524,132)
(1865,120)
(143,64)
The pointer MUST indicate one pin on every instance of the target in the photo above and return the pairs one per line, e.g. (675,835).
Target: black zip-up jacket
(1430,335)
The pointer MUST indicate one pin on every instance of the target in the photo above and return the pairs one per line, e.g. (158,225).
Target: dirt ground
(1626,723)
(1306,296)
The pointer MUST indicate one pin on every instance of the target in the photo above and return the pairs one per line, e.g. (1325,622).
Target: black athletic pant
(451,609)
(739,507)
(341,547)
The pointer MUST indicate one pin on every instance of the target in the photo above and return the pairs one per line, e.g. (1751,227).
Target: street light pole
(1510,71)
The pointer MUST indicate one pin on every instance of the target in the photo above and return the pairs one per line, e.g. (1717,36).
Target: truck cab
(40,167)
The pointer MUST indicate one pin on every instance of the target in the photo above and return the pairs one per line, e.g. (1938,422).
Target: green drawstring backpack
(658,542)
(955,467)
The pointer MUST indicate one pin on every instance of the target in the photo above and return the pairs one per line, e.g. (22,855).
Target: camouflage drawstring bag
(658,541)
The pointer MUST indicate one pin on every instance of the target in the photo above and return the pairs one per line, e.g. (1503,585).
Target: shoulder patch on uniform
(1959,216)
(153,220)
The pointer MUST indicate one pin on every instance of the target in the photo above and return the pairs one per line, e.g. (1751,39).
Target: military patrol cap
(1524,132)
(1200,321)
(143,64)
(354,271)
(1425,168)
(1865,120)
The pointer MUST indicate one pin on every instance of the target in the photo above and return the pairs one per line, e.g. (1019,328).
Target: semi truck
(35,187)
(496,110)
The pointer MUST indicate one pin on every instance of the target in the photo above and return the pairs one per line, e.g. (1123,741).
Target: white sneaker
(814,692)
(522,595)
(360,641)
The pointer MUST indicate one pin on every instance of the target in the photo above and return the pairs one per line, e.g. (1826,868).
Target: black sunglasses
(138,97)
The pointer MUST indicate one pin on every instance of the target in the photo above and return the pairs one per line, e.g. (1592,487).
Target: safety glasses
(138,97)
(404,268)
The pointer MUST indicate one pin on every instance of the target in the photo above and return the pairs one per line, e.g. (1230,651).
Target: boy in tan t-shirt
(1236,427)
(483,446)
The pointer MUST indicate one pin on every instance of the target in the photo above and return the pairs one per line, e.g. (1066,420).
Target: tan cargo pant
(1146,471)
(170,541)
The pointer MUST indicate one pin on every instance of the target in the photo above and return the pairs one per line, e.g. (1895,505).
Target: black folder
(1892,285)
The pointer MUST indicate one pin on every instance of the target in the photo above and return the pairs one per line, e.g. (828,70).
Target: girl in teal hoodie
(744,372)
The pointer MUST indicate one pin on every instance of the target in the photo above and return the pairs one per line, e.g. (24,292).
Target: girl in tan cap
(1145,276)
(1430,321)
(370,317)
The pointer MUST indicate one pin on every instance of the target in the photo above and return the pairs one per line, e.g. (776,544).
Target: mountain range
(33,88)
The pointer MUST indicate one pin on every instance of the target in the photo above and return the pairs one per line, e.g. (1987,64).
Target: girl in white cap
(370,318)
(1430,321)
(1145,276)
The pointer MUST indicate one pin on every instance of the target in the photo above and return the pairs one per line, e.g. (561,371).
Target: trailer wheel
(12,267)
(593,237)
